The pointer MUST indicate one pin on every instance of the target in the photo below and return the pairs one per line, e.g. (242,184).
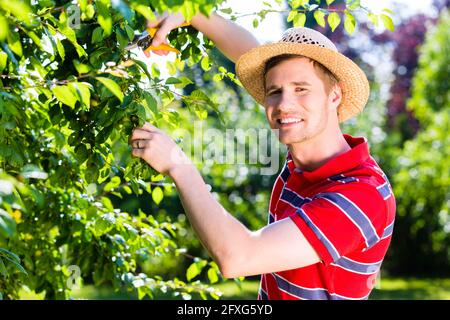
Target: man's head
(251,67)
(301,98)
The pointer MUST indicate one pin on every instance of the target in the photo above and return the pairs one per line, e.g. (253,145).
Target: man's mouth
(288,122)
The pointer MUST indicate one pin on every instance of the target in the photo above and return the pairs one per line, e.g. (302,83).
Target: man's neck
(311,154)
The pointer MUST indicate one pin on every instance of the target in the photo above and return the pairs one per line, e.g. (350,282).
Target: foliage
(422,177)
(406,39)
(69,97)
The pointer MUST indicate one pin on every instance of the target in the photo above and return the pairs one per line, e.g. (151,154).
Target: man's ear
(335,96)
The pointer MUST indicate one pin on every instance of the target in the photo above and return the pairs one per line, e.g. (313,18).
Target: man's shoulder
(365,183)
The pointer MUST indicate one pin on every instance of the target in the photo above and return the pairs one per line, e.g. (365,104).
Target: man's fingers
(139,144)
(137,152)
(161,52)
(155,23)
(161,34)
(147,126)
(140,134)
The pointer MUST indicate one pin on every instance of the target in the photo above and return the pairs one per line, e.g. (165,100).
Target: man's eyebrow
(295,83)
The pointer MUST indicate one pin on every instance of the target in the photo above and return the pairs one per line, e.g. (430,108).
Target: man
(332,208)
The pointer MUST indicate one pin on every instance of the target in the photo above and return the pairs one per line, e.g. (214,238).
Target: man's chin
(288,139)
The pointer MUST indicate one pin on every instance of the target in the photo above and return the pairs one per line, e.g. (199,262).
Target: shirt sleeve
(346,219)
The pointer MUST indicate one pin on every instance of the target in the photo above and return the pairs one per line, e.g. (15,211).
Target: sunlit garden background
(81,219)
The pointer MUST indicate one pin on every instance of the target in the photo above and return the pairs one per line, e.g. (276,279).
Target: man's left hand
(157,149)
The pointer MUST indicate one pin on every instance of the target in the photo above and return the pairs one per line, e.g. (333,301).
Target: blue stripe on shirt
(359,267)
(355,214)
(300,292)
(331,249)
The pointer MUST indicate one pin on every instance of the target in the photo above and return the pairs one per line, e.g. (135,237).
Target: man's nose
(286,102)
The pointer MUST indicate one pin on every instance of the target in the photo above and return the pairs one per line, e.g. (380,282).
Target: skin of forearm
(218,230)
(231,39)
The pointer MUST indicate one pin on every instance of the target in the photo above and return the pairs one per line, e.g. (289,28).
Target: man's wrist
(180,170)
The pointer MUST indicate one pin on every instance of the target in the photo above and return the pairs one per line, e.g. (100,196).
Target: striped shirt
(346,210)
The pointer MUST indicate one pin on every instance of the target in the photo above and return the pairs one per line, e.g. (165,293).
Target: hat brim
(353,81)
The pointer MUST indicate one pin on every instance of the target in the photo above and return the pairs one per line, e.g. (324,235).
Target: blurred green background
(94,224)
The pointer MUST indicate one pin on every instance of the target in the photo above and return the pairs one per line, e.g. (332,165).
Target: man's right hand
(230,38)
(165,23)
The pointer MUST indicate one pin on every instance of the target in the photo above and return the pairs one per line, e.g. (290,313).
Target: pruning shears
(144,41)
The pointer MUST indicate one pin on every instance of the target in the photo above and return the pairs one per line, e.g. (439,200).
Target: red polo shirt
(346,211)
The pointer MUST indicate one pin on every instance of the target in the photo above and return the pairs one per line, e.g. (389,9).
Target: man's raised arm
(231,39)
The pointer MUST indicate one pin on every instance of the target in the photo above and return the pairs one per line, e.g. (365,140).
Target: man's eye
(299,89)
(271,93)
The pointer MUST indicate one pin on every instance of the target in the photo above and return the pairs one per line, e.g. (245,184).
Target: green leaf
(334,20)
(2,270)
(373,18)
(299,20)
(14,43)
(83,91)
(319,15)
(171,67)
(143,66)
(111,86)
(387,22)
(353,4)
(226,10)
(172,80)
(33,37)
(255,23)
(104,17)
(70,34)
(16,264)
(97,35)
(102,226)
(144,11)
(212,275)
(195,269)
(3,60)
(20,9)
(112,184)
(205,63)
(349,22)
(157,195)
(151,103)
(81,67)
(60,48)
(291,15)
(122,38)
(184,81)
(7,224)
(107,203)
(130,32)
(10,254)
(329,2)
(297,3)
(4,28)
(81,153)
(65,95)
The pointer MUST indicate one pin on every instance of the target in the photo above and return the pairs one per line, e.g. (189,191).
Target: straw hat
(314,45)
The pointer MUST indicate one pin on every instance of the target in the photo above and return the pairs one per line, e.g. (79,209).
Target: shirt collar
(358,154)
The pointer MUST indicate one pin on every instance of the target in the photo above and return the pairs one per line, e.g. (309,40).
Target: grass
(387,289)
(412,289)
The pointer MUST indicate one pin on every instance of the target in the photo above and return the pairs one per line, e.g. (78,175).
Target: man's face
(296,102)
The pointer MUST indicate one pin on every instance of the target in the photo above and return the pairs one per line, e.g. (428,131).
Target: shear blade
(137,38)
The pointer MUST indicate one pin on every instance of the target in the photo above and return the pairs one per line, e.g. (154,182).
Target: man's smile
(288,122)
